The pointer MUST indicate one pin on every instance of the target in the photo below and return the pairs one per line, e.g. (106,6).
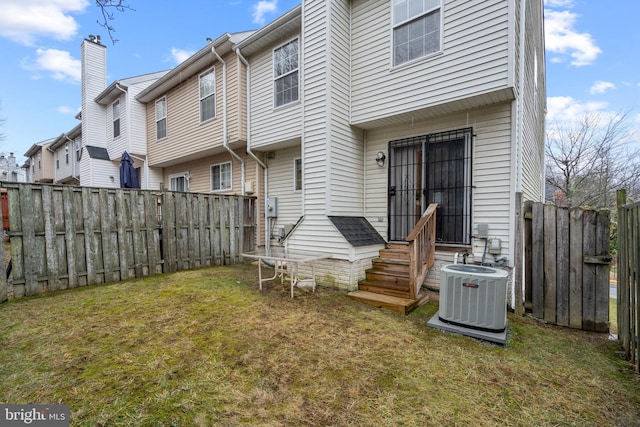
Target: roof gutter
(225,141)
(267,231)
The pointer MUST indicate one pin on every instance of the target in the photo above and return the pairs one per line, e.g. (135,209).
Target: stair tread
(383,284)
(371,296)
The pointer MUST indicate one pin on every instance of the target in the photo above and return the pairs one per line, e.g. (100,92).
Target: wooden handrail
(422,246)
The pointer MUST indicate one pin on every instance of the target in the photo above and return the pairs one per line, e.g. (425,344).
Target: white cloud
(558,3)
(180,55)
(600,87)
(565,109)
(23,21)
(263,8)
(562,39)
(58,63)
(66,110)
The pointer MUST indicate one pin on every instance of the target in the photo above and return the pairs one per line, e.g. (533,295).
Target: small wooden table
(282,258)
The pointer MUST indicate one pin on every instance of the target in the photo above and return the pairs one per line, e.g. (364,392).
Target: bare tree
(588,161)
(107,9)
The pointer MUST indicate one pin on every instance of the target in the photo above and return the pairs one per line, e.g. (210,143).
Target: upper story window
(285,73)
(116,119)
(66,153)
(297,174)
(77,144)
(161,118)
(207,95)
(39,161)
(416,29)
(57,159)
(221,177)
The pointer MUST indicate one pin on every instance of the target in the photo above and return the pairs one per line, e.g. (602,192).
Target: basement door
(434,168)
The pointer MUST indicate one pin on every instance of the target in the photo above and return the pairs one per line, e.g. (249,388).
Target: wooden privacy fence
(64,237)
(567,265)
(628,278)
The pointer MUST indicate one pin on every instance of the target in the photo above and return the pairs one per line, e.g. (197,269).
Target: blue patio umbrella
(128,174)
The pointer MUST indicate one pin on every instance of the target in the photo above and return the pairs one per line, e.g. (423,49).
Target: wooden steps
(387,282)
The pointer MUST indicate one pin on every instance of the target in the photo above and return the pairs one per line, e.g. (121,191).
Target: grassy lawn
(205,347)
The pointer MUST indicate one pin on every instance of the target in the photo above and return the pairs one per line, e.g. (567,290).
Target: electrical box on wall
(483,231)
(272,207)
(495,246)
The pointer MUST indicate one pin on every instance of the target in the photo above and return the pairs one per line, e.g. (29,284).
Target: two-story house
(375,109)
(66,156)
(196,123)
(40,160)
(113,122)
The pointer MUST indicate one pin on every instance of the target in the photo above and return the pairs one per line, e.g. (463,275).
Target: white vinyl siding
(490,168)
(221,177)
(269,126)
(474,62)
(279,175)
(416,29)
(207,95)
(161,118)
(285,73)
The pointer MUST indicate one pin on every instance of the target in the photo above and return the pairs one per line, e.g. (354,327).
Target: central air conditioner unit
(474,297)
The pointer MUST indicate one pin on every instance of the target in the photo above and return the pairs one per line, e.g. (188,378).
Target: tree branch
(107,10)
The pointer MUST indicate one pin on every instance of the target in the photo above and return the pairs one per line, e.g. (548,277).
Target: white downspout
(267,226)
(224,117)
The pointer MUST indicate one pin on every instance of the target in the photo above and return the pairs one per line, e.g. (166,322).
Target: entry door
(406,184)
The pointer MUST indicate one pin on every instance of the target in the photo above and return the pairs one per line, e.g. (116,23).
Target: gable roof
(62,139)
(192,65)
(112,92)
(38,146)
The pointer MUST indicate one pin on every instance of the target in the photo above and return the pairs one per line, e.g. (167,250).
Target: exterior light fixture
(380,158)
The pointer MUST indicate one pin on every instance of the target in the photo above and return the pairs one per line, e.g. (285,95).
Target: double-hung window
(221,176)
(66,153)
(207,95)
(416,29)
(285,73)
(116,119)
(161,118)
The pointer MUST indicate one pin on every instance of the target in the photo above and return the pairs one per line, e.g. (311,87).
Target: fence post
(519,256)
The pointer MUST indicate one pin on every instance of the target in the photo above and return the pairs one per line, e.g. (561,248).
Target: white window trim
(214,94)
(116,119)
(230,187)
(166,127)
(184,175)
(295,175)
(273,71)
(421,58)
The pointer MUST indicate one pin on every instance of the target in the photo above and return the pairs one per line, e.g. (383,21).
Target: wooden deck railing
(422,246)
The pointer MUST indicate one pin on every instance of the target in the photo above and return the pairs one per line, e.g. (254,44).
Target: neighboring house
(196,123)
(66,156)
(40,161)
(375,109)
(113,122)
(10,171)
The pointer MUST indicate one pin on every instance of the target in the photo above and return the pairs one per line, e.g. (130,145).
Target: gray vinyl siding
(491,168)
(474,59)
(271,125)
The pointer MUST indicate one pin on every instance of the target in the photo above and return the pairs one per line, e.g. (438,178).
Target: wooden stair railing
(395,278)
(422,246)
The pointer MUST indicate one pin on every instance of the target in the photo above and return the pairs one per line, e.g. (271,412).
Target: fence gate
(567,265)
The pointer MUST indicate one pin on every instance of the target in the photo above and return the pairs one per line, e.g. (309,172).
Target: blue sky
(593,54)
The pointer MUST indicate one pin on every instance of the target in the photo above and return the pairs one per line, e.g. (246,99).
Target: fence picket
(563,250)
(575,268)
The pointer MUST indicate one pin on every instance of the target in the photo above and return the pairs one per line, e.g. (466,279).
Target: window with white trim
(179,182)
(221,176)
(416,29)
(161,118)
(116,119)
(77,151)
(285,73)
(297,174)
(208,95)
(57,159)
(66,153)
